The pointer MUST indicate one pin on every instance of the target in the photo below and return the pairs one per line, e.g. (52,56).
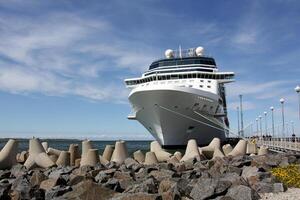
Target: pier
(281,144)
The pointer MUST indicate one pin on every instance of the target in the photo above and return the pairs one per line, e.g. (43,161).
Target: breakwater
(210,172)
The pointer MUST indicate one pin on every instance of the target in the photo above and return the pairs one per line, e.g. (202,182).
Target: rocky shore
(157,175)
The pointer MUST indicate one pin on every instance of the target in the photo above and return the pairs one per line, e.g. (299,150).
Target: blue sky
(62,63)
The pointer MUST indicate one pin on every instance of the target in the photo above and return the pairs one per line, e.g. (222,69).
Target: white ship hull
(174,114)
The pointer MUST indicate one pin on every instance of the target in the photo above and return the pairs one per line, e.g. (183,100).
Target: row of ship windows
(201,86)
(179,76)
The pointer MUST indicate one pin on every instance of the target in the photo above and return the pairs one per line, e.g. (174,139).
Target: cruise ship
(181,97)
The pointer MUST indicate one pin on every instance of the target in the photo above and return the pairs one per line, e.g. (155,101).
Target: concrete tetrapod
(178,155)
(103,161)
(217,153)
(53,158)
(191,151)
(160,153)
(227,148)
(86,146)
(239,149)
(45,146)
(23,156)
(150,158)
(37,155)
(139,156)
(52,151)
(120,153)
(263,150)
(108,151)
(209,150)
(8,154)
(173,160)
(74,153)
(92,158)
(63,159)
(251,148)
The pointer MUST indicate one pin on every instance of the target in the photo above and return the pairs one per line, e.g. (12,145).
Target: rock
(36,178)
(4,190)
(113,184)
(232,169)
(75,179)
(18,170)
(147,186)
(141,174)
(249,172)
(62,173)
(162,174)
(130,163)
(102,177)
(241,192)
(37,193)
(124,179)
(21,188)
(204,188)
(4,174)
(284,162)
(89,190)
(263,187)
(166,185)
(184,187)
(56,192)
(233,178)
(50,183)
(171,194)
(222,187)
(278,187)
(137,196)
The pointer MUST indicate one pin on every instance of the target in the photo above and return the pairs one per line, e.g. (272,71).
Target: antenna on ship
(180,51)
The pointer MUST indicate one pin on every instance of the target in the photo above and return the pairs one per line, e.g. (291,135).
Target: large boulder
(242,192)
(136,196)
(56,191)
(89,190)
(37,177)
(204,188)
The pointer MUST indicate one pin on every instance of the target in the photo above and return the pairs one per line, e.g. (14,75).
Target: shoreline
(211,172)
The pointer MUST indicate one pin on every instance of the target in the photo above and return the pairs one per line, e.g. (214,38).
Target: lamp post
(260,125)
(282,112)
(256,126)
(242,121)
(238,118)
(273,129)
(266,123)
(293,130)
(297,89)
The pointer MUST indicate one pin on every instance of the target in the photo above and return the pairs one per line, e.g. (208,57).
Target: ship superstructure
(181,97)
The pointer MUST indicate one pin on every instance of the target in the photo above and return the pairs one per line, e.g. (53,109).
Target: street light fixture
(256,126)
(273,131)
(238,118)
(266,123)
(297,89)
(260,123)
(282,112)
(242,119)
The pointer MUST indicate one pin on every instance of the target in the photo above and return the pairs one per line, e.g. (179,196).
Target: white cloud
(262,90)
(247,105)
(63,53)
(245,38)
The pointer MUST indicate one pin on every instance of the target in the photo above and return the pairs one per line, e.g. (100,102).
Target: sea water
(63,144)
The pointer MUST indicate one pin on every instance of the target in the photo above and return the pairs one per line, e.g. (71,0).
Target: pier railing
(291,144)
